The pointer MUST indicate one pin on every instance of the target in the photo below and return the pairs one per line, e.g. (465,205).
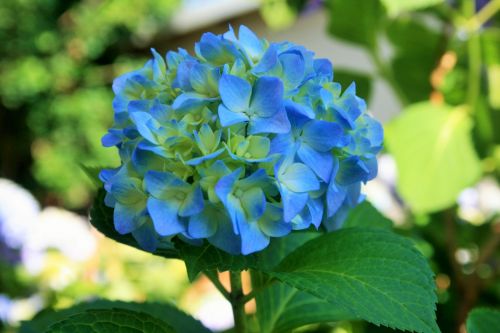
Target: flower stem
(213,276)
(237,302)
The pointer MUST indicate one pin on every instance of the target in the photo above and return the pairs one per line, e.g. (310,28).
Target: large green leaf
(101,217)
(365,215)
(434,154)
(374,274)
(281,308)
(110,321)
(355,21)
(180,321)
(395,7)
(483,320)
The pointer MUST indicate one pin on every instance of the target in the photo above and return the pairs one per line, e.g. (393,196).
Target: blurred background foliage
(58,59)
(429,68)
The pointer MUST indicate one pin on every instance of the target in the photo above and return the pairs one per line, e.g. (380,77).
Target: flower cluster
(244,141)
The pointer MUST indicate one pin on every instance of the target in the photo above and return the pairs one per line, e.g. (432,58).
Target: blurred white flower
(59,229)
(18,212)
(478,203)
(215,312)
(381,190)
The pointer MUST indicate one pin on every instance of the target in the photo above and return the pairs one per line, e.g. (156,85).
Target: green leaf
(395,7)
(365,215)
(494,85)
(374,274)
(101,217)
(180,321)
(414,62)
(207,257)
(434,154)
(355,21)
(281,308)
(109,321)
(483,320)
(363,82)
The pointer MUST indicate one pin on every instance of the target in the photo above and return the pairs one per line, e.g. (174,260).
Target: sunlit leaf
(434,154)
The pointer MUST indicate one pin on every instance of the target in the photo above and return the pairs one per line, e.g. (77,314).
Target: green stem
(213,276)
(237,302)
(487,12)
(474,57)
(386,73)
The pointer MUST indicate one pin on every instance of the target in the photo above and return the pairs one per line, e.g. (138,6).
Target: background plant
(451,63)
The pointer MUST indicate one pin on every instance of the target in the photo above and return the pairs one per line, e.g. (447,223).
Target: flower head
(244,141)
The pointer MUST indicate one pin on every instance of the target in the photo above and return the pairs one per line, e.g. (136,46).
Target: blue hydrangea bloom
(244,141)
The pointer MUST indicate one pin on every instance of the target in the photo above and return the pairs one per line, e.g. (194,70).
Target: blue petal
(299,178)
(159,66)
(158,150)
(112,138)
(253,202)
(268,61)
(181,80)
(352,170)
(316,208)
(235,92)
(293,203)
(204,79)
(252,238)
(126,218)
(225,238)
(223,189)
(322,135)
(272,223)
(216,50)
(298,112)
(278,123)
(204,224)
(164,216)
(198,160)
(160,184)
(160,112)
(320,163)
(193,203)
(258,178)
(144,160)
(282,144)
(190,101)
(335,195)
(293,68)
(267,97)
(324,67)
(228,117)
(147,126)
(126,190)
(251,43)
(146,236)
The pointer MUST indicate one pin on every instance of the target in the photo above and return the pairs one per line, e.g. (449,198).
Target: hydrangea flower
(244,141)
